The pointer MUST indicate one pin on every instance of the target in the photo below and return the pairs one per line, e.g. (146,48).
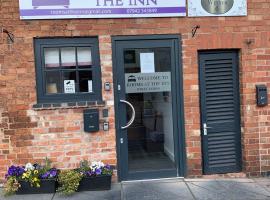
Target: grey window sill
(80,104)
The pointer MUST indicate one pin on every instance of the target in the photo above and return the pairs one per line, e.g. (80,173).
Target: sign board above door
(200,8)
(63,9)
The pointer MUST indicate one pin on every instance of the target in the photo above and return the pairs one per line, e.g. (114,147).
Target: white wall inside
(163,105)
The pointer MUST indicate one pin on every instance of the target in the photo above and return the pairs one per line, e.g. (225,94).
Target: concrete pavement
(172,189)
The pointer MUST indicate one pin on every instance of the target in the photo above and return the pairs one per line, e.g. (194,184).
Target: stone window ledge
(80,104)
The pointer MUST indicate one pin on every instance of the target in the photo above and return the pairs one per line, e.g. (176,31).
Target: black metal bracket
(194,30)
(9,34)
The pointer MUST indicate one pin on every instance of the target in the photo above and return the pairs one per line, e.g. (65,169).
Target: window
(67,69)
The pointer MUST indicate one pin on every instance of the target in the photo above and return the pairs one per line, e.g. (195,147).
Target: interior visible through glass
(68,70)
(148,89)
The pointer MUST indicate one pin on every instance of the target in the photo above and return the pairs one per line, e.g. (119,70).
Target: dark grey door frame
(179,131)
(234,53)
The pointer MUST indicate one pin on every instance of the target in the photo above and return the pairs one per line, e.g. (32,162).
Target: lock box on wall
(261,94)
(91,120)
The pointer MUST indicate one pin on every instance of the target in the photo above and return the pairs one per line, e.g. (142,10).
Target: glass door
(146,115)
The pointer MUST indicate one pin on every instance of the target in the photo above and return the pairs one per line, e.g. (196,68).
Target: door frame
(180,150)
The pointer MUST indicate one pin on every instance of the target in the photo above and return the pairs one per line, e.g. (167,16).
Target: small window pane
(85,81)
(68,57)
(51,57)
(66,68)
(84,57)
(69,81)
(52,82)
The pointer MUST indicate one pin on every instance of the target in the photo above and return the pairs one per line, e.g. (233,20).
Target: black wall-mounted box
(91,120)
(261,94)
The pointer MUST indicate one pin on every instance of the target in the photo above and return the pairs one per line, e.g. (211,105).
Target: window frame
(41,43)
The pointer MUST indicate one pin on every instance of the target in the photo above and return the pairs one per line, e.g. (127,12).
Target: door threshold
(157,179)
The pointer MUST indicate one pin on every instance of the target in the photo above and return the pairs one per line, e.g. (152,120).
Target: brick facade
(28,134)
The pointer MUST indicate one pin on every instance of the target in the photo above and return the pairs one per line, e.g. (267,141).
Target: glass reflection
(150,137)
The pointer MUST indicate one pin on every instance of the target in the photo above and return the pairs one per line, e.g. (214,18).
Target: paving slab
(228,189)
(156,190)
(27,197)
(113,194)
(263,182)
(263,179)
(243,180)
(172,189)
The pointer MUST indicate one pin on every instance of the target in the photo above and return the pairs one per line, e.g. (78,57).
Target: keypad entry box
(261,93)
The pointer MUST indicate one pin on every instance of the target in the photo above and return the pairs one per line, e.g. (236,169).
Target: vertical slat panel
(220,111)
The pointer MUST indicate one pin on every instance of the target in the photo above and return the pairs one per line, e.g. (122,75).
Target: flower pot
(102,182)
(46,186)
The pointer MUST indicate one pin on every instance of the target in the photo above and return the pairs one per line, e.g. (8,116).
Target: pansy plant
(94,169)
(30,173)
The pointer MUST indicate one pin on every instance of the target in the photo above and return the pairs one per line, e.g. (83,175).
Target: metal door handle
(205,127)
(133,114)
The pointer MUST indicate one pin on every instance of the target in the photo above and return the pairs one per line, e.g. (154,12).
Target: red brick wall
(30,135)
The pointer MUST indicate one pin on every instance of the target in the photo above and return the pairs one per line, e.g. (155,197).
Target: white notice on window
(147,61)
(90,86)
(69,86)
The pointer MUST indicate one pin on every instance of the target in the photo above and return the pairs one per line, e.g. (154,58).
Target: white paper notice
(69,86)
(90,86)
(147,62)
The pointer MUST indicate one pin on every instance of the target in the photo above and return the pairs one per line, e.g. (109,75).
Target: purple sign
(61,9)
(37,3)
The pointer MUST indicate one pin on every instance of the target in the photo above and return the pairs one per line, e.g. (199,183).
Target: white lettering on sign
(148,82)
(62,9)
(69,86)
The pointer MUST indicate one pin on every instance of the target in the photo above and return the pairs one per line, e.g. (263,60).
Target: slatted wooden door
(220,111)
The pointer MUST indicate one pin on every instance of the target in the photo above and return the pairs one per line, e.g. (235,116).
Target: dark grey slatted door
(220,111)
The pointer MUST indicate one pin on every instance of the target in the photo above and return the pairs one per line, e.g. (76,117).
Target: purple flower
(44,176)
(98,171)
(88,173)
(108,167)
(14,171)
(52,173)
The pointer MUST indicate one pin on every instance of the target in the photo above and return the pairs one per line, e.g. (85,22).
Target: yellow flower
(27,175)
(24,175)
(36,172)
(35,179)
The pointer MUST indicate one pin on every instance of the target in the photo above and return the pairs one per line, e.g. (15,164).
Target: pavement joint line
(122,192)
(267,189)
(189,189)
(226,188)
(149,180)
(53,196)
(254,192)
(212,191)
(236,184)
(201,187)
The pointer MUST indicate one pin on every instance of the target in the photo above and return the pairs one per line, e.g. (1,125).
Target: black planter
(95,183)
(46,186)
